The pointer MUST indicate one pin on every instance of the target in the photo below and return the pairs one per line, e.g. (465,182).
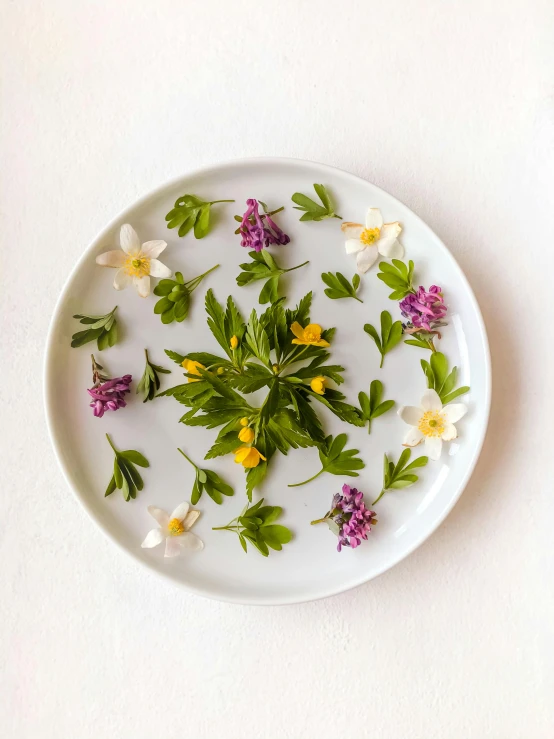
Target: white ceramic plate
(309,567)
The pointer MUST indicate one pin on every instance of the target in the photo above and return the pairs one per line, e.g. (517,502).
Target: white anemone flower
(174,529)
(431,423)
(373,239)
(136,262)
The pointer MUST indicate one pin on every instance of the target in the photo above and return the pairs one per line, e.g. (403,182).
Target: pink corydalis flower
(106,394)
(259,231)
(349,518)
(424,309)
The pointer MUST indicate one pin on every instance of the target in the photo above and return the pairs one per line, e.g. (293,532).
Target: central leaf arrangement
(262,353)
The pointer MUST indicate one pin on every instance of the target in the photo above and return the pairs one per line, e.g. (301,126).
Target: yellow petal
(246,435)
(297,330)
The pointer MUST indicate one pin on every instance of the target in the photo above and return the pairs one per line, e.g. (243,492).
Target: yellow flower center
(137,266)
(175,527)
(432,423)
(311,334)
(370,235)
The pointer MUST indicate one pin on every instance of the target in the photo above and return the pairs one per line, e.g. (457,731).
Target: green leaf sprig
(255,526)
(391,334)
(175,296)
(208,481)
(397,276)
(339,287)
(372,407)
(125,474)
(192,212)
(101,328)
(400,475)
(264,267)
(335,461)
(150,382)
(312,210)
(439,379)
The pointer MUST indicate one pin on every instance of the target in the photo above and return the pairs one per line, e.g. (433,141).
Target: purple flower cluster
(259,231)
(424,309)
(352,517)
(109,395)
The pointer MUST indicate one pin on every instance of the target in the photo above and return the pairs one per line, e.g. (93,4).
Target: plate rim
(47,376)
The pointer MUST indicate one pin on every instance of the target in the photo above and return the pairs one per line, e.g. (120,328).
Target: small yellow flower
(220,370)
(310,336)
(248,456)
(234,342)
(246,435)
(244,421)
(318,384)
(192,368)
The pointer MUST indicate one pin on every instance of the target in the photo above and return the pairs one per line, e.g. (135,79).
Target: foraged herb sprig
(397,276)
(190,211)
(391,334)
(264,267)
(101,328)
(125,475)
(312,210)
(339,287)
(372,407)
(335,461)
(439,379)
(175,296)
(255,525)
(400,475)
(208,481)
(150,382)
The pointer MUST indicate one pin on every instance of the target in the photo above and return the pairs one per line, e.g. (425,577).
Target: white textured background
(449,106)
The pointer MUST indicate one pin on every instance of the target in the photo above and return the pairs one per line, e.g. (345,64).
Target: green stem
(297,267)
(297,484)
(357,298)
(369,425)
(431,345)
(213,202)
(110,442)
(318,520)
(187,458)
(382,360)
(198,280)
(383,491)
(273,212)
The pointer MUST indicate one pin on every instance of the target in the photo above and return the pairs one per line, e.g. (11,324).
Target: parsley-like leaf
(206,480)
(175,296)
(264,267)
(391,334)
(398,276)
(439,379)
(335,460)
(339,287)
(125,474)
(256,526)
(400,475)
(150,382)
(101,328)
(372,407)
(192,212)
(312,210)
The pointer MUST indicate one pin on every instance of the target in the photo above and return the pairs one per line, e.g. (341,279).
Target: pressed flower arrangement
(270,378)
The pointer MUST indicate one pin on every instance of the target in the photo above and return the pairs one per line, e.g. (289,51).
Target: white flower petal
(430,401)
(391,248)
(373,219)
(161,516)
(413,437)
(449,432)
(172,548)
(130,242)
(366,259)
(190,519)
(122,279)
(353,245)
(433,447)
(454,412)
(153,249)
(190,541)
(181,511)
(153,538)
(410,414)
(157,269)
(352,230)
(391,230)
(143,285)
(111,258)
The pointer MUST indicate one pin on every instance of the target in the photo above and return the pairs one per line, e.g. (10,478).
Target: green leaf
(391,334)
(336,461)
(264,267)
(257,339)
(398,276)
(209,481)
(439,379)
(255,525)
(202,223)
(191,211)
(339,287)
(398,476)
(150,382)
(174,304)
(312,210)
(455,394)
(372,407)
(103,329)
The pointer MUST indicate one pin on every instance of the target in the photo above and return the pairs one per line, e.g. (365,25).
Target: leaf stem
(110,443)
(382,360)
(213,202)
(357,298)
(297,266)
(383,491)
(187,458)
(297,484)
(318,520)
(198,280)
